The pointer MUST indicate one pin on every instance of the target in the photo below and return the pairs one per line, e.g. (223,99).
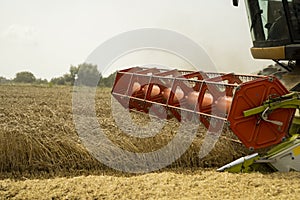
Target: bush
(58,81)
(24,77)
(4,80)
(41,81)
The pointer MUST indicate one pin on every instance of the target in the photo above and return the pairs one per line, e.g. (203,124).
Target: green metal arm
(291,100)
(278,152)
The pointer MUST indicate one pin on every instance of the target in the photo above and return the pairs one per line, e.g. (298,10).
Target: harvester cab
(262,111)
(275,29)
(275,32)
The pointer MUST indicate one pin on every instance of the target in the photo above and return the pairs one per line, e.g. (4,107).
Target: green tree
(73,73)
(108,81)
(58,81)
(88,74)
(24,77)
(66,79)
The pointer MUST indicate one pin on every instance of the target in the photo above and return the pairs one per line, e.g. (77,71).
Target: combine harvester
(262,111)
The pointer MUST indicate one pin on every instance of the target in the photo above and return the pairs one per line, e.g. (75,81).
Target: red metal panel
(253,131)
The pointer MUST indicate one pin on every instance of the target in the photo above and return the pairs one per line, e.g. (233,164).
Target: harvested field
(41,153)
(200,184)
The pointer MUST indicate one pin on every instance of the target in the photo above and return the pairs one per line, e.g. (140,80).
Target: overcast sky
(46,37)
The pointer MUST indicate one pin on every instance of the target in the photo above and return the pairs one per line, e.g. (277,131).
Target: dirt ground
(41,157)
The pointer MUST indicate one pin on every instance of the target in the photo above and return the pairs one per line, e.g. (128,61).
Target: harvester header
(214,98)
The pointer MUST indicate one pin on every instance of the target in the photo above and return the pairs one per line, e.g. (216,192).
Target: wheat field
(42,156)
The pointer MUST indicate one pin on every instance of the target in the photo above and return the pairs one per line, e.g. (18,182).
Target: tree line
(84,74)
